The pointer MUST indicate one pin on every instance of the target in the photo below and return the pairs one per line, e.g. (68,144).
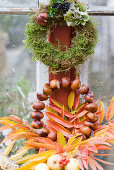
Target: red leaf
(59,120)
(110,111)
(62,113)
(76,99)
(93,148)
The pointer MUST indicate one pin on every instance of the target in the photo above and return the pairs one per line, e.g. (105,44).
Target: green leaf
(60,138)
(71,99)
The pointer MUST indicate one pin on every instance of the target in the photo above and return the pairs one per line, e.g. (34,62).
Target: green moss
(82,45)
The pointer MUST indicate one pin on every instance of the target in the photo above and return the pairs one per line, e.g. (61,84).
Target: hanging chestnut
(43,132)
(75,84)
(91,107)
(55,84)
(37,124)
(86,131)
(89,97)
(84,89)
(37,115)
(91,116)
(52,136)
(65,82)
(42,19)
(38,105)
(42,97)
(46,89)
(90,124)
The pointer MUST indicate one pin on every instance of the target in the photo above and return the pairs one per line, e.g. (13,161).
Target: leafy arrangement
(73,146)
(68,13)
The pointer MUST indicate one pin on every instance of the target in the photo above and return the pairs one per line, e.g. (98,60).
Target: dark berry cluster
(64,161)
(62,6)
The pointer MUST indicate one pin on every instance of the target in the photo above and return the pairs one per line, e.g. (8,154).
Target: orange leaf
(62,112)
(66,113)
(103,147)
(15,118)
(58,127)
(71,99)
(58,104)
(104,162)
(59,120)
(101,109)
(60,138)
(92,163)
(110,111)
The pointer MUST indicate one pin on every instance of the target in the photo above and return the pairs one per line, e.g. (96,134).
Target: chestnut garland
(89,125)
(82,45)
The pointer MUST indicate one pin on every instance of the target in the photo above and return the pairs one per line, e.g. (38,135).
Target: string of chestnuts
(90,123)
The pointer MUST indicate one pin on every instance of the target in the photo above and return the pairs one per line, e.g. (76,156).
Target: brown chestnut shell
(37,115)
(46,89)
(38,105)
(37,124)
(65,82)
(75,84)
(42,97)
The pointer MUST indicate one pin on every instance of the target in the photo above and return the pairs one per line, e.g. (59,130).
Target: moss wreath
(82,45)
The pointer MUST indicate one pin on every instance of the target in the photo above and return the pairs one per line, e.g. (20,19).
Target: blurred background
(18,74)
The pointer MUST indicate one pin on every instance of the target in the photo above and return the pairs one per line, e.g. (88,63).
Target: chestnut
(37,124)
(52,136)
(84,89)
(91,116)
(38,105)
(46,89)
(65,82)
(91,107)
(37,115)
(86,131)
(42,97)
(90,124)
(43,132)
(75,84)
(55,84)
(89,97)
(42,19)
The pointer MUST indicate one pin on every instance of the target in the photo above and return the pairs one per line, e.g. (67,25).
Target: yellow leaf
(18,155)
(5,120)
(9,148)
(71,140)
(25,158)
(71,99)
(60,138)
(39,158)
(110,111)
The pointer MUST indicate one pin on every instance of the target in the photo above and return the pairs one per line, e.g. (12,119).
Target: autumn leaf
(60,138)
(110,110)
(59,120)
(71,99)
(9,148)
(58,127)
(58,104)
(101,109)
(76,99)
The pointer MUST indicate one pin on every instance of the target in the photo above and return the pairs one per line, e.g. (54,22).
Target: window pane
(18,3)
(101,3)
(17,71)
